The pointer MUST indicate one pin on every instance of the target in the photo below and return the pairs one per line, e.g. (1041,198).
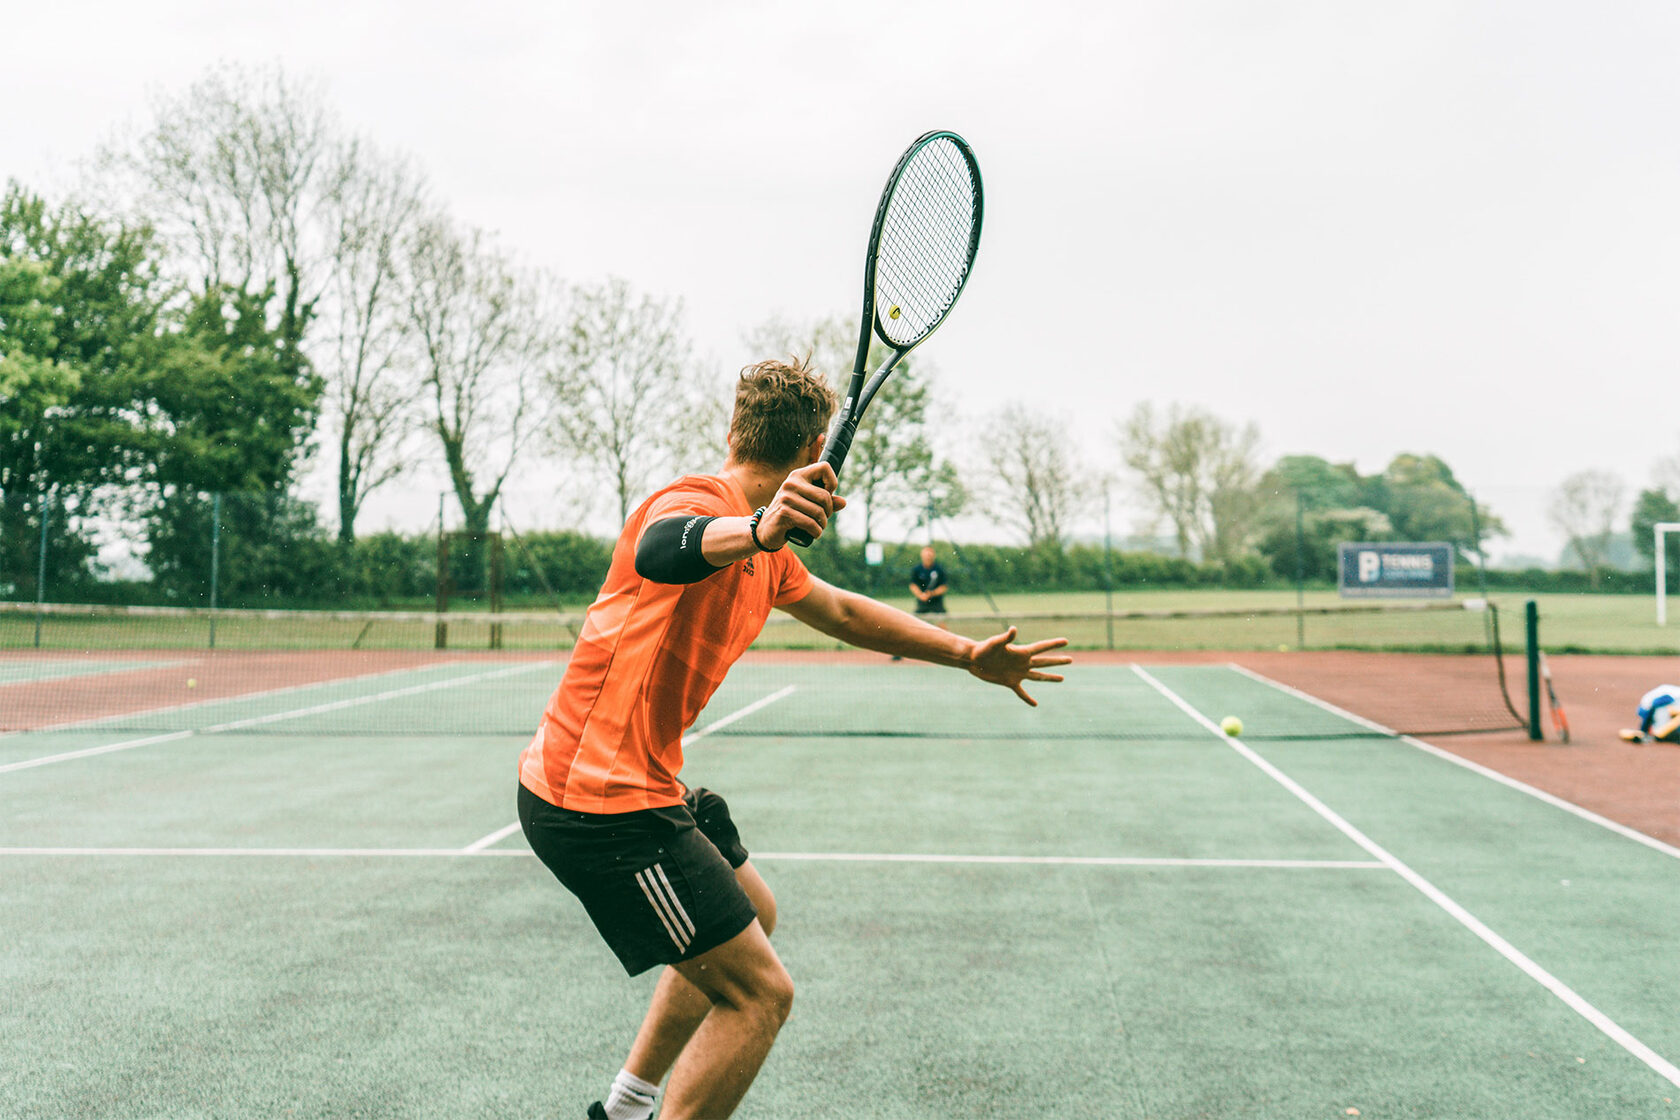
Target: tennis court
(298,901)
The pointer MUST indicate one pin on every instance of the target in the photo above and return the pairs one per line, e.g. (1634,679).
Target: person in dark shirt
(928,584)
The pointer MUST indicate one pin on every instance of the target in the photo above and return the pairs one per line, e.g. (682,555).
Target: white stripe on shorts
(676,904)
(656,898)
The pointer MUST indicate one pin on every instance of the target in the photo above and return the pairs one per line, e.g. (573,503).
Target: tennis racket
(921,250)
(1560,721)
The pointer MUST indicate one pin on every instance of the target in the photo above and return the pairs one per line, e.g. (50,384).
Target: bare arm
(861,621)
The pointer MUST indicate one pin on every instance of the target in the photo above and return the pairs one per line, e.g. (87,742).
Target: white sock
(631,1098)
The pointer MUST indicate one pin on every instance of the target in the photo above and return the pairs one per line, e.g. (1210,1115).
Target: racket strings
(926,244)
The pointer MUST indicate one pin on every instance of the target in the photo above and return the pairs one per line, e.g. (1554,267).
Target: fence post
(1300,574)
(1532,612)
(41,566)
(215,559)
(1108,568)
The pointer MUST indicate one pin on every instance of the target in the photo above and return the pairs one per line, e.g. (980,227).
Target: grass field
(1048,922)
(1570,623)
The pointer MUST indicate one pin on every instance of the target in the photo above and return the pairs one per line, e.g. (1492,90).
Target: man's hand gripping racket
(803,504)
(921,249)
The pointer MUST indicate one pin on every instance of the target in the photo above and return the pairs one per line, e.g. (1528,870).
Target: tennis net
(1429,669)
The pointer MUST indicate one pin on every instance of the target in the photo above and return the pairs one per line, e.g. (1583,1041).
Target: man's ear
(814,449)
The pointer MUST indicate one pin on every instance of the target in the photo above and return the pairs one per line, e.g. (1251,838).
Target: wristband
(752,531)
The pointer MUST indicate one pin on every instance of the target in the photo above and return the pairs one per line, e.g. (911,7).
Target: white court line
(1486,772)
(254,721)
(804,857)
(1614,1031)
(722,721)
(495,837)
(1079,861)
(92,723)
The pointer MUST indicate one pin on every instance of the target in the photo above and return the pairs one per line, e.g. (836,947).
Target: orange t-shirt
(649,657)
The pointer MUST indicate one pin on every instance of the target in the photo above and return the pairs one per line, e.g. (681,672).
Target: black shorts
(931,606)
(659,884)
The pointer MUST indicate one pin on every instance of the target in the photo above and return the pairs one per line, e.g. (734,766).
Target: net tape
(384,673)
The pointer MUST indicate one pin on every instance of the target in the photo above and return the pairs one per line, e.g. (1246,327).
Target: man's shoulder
(697,484)
(706,493)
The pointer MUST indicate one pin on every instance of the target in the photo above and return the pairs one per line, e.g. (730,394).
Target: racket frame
(863,385)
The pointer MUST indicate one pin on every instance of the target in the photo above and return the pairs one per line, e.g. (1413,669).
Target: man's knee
(777,996)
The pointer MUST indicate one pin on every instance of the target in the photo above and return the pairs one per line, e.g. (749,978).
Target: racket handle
(834,454)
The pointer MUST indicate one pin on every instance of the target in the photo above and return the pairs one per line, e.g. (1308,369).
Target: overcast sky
(1368,227)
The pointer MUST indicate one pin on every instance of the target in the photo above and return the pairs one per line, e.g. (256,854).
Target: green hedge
(282,560)
(1539,579)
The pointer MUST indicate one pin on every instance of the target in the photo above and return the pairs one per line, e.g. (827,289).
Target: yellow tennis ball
(192,682)
(1231,725)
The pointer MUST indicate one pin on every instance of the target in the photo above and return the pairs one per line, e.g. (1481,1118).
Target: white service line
(739,713)
(275,717)
(1614,1031)
(722,721)
(804,857)
(1077,861)
(495,837)
(1486,772)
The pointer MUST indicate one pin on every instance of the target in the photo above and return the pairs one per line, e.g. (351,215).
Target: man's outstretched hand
(998,662)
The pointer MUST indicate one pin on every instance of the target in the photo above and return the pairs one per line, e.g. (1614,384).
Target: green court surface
(1099,908)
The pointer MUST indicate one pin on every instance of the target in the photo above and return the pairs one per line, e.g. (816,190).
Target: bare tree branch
(485,335)
(627,399)
(367,354)
(1032,485)
(1584,508)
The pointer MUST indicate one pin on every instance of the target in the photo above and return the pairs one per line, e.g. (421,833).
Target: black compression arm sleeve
(670,551)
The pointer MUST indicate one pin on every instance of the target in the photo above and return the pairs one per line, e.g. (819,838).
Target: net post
(41,566)
(1531,613)
(215,559)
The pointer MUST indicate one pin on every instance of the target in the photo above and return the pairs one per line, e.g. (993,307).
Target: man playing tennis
(659,867)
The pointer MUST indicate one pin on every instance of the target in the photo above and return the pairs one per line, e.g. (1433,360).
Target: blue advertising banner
(1396,571)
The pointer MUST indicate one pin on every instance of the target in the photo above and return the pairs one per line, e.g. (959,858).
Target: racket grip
(834,454)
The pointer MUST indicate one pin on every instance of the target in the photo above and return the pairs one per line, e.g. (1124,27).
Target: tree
(1199,473)
(117,393)
(1652,508)
(250,180)
(366,353)
(1584,508)
(1320,484)
(235,175)
(891,466)
(82,333)
(484,339)
(1426,502)
(1031,479)
(626,397)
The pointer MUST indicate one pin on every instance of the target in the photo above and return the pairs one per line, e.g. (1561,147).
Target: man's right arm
(685,548)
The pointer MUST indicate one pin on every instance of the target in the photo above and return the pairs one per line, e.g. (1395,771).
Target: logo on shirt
(749,566)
